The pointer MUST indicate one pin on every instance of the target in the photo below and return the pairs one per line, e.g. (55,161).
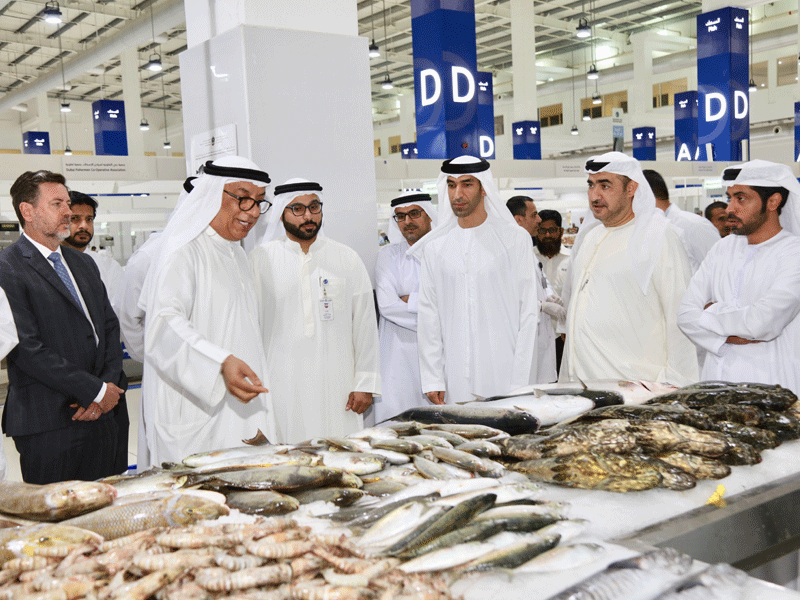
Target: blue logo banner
(722,84)
(445,78)
(485,115)
(36,142)
(526,140)
(686,126)
(110,136)
(644,143)
(408,151)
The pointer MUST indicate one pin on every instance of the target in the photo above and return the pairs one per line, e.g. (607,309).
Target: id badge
(326,309)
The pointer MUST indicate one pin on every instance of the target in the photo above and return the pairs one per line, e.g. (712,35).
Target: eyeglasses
(549,230)
(415,213)
(247,203)
(298,209)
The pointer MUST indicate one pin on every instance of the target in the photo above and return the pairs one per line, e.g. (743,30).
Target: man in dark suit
(65,376)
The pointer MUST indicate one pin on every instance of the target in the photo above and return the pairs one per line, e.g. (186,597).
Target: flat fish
(54,501)
(513,422)
(261,502)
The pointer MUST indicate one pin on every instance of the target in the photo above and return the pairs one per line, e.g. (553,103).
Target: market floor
(133,396)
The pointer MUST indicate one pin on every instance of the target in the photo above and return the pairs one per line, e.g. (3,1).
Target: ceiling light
(387,83)
(596,98)
(52,13)
(574,130)
(65,107)
(374,51)
(154,64)
(592,74)
(583,30)
(67,151)
(587,116)
(753,86)
(167,145)
(144,125)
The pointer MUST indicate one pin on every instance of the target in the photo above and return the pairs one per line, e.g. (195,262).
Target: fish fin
(259,439)
(583,384)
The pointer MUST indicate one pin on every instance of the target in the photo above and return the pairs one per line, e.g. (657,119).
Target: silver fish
(335,495)
(156,480)
(375,433)
(453,438)
(255,461)
(54,501)
(202,458)
(563,558)
(397,521)
(357,463)
(276,478)
(429,441)
(514,555)
(717,582)
(261,502)
(482,448)
(469,431)
(465,460)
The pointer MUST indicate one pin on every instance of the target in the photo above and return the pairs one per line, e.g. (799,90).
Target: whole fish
(643,578)
(758,438)
(698,466)
(349,444)
(431,469)
(275,478)
(403,427)
(514,555)
(774,390)
(459,514)
(429,441)
(31,540)
(596,397)
(738,394)
(563,558)
(568,529)
(664,436)
(676,413)
(593,470)
(202,458)
(364,516)
(392,457)
(717,582)
(383,488)
(452,438)
(468,431)
(357,463)
(482,448)
(448,558)
(672,477)
(610,435)
(549,410)
(153,480)
(470,462)
(335,495)
(517,513)
(512,422)
(402,445)
(179,509)
(375,433)
(471,532)
(54,501)
(398,521)
(261,502)
(256,461)
(632,392)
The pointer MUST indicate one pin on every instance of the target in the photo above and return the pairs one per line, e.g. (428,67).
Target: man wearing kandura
(742,305)
(555,265)
(477,307)
(397,288)
(317,317)
(204,359)
(629,271)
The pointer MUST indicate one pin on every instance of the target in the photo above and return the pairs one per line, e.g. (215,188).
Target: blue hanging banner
(408,151)
(485,115)
(686,126)
(527,140)
(723,127)
(36,142)
(445,78)
(644,143)
(797,132)
(110,136)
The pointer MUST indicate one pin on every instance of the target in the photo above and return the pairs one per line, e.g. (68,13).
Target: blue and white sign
(723,124)
(797,132)
(527,140)
(686,126)
(36,142)
(408,151)
(445,78)
(485,115)
(644,143)
(110,136)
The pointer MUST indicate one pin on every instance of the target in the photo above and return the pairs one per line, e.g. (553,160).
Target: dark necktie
(61,270)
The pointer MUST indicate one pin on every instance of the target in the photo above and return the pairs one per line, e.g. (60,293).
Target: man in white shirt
(699,235)
(742,305)
(629,271)
(555,265)
(477,307)
(317,317)
(397,288)
(204,359)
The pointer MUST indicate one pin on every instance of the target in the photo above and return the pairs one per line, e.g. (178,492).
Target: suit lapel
(44,268)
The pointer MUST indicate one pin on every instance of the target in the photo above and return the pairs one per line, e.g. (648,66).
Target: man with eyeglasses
(204,359)
(477,308)
(397,287)
(555,264)
(628,273)
(317,317)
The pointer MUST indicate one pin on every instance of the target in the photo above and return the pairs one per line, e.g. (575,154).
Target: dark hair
(657,184)
(26,188)
(714,205)
(550,215)
(518,205)
(766,192)
(80,198)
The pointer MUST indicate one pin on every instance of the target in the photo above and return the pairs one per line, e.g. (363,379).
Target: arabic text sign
(408,151)
(722,83)
(36,142)
(527,140)
(445,77)
(686,126)
(644,143)
(110,137)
